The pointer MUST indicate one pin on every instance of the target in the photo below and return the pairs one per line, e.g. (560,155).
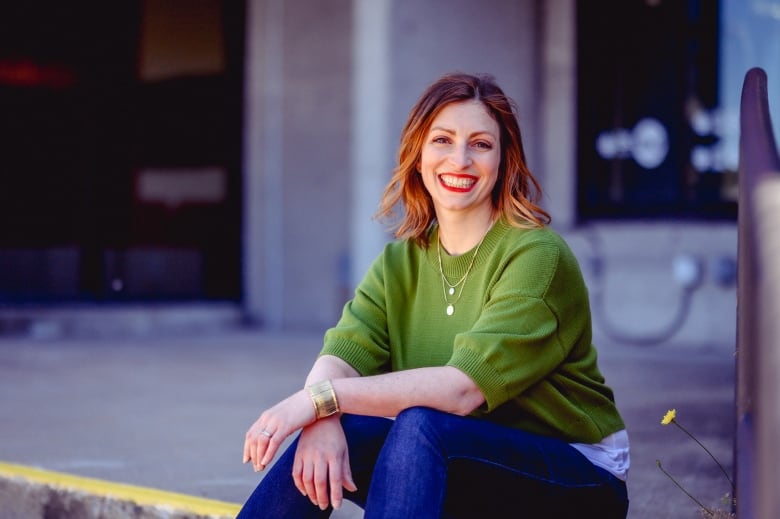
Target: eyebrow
(452,132)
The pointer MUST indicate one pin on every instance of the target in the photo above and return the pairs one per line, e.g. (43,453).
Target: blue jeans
(430,464)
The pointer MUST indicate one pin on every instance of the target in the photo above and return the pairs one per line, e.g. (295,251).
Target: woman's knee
(419,414)
(421,422)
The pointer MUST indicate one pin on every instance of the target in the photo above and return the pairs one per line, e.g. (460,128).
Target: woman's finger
(272,442)
(247,449)
(321,471)
(258,439)
(308,482)
(346,470)
(297,474)
(335,481)
(256,454)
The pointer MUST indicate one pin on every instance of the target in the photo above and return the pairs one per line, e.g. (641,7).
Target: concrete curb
(30,493)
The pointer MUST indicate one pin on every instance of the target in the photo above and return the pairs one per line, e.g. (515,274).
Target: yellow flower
(669,417)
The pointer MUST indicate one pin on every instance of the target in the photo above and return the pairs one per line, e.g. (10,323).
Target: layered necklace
(450,289)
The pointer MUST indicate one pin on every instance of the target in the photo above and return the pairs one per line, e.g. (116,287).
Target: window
(648,134)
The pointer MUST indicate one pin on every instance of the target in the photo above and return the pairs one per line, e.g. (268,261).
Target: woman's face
(460,158)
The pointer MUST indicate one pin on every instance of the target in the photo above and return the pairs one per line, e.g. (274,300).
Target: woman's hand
(322,463)
(275,424)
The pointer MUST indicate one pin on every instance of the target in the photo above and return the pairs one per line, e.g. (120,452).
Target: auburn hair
(516,193)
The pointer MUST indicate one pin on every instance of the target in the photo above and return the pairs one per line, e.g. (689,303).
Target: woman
(472,330)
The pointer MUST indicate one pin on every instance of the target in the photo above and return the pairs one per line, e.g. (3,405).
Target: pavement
(167,412)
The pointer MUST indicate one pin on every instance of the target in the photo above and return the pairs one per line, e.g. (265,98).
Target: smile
(460,183)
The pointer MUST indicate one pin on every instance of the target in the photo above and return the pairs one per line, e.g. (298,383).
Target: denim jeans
(430,464)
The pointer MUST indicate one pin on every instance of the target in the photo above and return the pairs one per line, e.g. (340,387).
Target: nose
(460,157)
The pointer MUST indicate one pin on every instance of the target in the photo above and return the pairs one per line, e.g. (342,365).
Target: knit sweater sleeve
(360,337)
(534,314)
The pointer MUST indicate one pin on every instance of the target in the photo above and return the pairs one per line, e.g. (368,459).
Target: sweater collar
(456,266)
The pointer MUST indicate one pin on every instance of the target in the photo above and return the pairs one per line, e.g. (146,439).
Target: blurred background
(175,167)
(222,160)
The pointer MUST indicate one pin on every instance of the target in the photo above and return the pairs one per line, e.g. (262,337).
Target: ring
(266,433)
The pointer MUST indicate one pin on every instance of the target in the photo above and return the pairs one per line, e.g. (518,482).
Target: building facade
(234,153)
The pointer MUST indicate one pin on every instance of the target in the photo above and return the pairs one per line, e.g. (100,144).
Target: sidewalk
(170,412)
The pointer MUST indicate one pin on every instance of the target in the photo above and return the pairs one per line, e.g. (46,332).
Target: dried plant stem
(704,508)
(683,429)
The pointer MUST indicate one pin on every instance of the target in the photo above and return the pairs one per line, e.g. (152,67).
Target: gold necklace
(445,283)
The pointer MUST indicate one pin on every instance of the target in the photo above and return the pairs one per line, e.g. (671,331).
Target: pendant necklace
(450,289)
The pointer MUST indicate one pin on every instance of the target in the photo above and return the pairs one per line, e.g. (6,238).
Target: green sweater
(521,329)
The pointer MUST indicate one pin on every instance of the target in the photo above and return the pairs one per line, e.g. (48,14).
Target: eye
(440,140)
(483,145)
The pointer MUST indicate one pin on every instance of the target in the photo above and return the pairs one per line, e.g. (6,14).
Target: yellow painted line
(138,495)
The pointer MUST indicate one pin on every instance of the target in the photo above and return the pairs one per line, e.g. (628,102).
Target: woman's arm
(444,388)
(330,367)
(321,467)
(274,425)
(322,447)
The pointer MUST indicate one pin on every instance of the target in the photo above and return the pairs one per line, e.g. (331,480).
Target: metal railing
(757,451)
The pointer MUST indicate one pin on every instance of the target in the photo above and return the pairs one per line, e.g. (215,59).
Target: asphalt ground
(170,412)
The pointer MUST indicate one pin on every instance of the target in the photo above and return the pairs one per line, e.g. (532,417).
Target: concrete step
(31,493)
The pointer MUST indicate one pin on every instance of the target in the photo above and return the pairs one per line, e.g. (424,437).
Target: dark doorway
(120,150)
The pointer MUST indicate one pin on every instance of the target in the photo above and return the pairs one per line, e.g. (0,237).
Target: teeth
(459,182)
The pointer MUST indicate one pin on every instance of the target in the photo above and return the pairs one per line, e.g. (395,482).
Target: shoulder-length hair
(516,192)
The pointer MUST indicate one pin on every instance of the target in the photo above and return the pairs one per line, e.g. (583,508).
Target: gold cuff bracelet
(323,397)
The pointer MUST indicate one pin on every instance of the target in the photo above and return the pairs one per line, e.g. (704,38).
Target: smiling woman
(473,331)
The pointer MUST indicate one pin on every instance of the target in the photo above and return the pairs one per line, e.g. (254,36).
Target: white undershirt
(611,453)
